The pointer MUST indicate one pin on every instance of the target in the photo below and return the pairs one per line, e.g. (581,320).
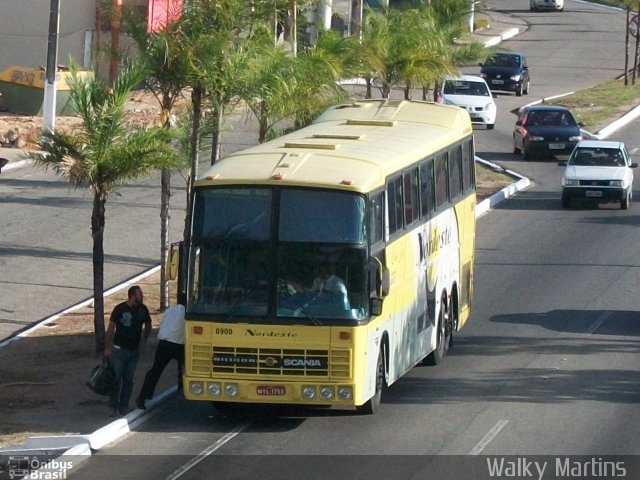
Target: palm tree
(103,154)
(165,53)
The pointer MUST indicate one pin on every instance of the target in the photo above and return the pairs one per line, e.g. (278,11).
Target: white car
(598,170)
(471,93)
(557,5)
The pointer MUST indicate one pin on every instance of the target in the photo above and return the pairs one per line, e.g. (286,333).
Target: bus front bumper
(243,391)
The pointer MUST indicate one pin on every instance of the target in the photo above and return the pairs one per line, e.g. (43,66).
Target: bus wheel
(445,332)
(372,405)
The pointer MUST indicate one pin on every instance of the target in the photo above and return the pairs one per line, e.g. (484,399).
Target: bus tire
(444,336)
(372,405)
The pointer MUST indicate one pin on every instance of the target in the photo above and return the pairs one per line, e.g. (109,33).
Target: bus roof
(353,146)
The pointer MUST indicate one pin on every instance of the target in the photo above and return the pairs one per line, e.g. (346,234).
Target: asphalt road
(548,364)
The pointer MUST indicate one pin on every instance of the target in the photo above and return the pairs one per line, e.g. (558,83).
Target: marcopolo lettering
(231,360)
(252,332)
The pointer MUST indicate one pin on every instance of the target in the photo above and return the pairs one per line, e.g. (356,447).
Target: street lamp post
(49,103)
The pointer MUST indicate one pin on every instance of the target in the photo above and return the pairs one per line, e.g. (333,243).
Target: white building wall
(24,29)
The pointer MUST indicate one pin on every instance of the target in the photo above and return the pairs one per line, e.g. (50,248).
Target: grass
(597,106)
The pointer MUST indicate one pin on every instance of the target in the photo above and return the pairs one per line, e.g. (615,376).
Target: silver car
(557,5)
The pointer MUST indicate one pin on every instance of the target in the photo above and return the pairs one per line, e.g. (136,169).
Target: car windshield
(597,157)
(503,60)
(466,87)
(551,119)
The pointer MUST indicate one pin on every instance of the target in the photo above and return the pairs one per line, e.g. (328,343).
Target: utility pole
(116,14)
(49,103)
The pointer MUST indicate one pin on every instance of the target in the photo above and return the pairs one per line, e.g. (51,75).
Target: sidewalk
(84,427)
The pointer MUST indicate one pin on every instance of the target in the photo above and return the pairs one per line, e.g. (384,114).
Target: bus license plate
(593,193)
(556,146)
(270,390)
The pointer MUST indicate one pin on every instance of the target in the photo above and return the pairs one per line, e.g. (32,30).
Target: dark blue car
(507,72)
(545,131)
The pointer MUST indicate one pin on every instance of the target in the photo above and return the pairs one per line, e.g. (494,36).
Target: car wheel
(625,203)
(566,201)
(490,126)
(526,90)
(519,90)
(527,156)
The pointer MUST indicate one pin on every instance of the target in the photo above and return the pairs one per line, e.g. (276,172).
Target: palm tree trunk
(196,110)
(436,91)
(263,124)
(218,111)
(386,89)
(165,196)
(97,233)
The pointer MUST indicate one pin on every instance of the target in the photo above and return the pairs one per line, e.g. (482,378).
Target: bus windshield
(286,253)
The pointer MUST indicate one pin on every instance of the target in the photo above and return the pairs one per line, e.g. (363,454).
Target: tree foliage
(103,154)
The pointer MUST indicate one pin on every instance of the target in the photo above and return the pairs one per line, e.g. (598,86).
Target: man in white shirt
(327,282)
(170,347)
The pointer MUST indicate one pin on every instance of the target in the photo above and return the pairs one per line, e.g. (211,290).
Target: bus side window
(455,171)
(442,181)
(411,204)
(394,197)
(376,219)
(426,188)
(468,166)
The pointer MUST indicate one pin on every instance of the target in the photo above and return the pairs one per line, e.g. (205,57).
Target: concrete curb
(618,124)
(508,191)
(512,32)
(119,428)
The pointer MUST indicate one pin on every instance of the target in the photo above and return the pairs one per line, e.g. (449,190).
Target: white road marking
(599,321)
(491,434)
(207,451)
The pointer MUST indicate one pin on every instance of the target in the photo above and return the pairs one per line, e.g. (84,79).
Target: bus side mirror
(385,282)
(375,307)
(173,261)
(176,268)
(379,279)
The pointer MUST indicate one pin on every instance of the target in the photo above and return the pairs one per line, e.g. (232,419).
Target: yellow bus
(325,264)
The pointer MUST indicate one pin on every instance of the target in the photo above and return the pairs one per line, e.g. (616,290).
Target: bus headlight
(196,388)
(308,392)
(326,392)
(345,393)
(231,389)
(214,389)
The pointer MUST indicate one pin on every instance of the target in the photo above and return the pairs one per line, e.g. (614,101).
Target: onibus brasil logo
(27,467)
